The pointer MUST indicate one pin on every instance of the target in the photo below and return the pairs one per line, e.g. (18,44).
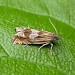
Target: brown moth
(33,36)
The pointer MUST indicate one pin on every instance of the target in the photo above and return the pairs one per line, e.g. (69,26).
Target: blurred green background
(26,60)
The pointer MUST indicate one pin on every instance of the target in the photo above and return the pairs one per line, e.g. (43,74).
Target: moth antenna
(53,26)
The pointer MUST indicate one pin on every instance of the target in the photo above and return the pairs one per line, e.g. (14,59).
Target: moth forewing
(32,36)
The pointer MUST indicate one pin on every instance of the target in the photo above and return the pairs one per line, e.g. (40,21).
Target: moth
(32,36)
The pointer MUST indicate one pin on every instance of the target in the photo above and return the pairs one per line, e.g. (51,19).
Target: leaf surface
(21,59)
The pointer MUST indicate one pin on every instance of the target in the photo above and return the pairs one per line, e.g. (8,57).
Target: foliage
(26,60)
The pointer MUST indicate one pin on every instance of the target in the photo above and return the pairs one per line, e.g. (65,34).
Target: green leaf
(26,60)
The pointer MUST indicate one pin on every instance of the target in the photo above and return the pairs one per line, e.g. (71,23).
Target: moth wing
(20,40)
(32,36)
(23,32)
(41,37)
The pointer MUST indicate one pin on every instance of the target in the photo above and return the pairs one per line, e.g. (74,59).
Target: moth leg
(43,46)
(51,46)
